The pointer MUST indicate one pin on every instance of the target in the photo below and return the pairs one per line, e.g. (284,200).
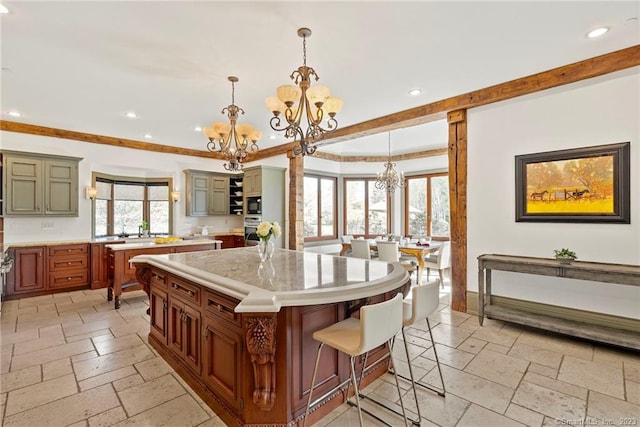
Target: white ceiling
(82,65)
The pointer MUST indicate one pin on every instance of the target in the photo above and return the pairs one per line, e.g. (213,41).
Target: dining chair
(441,263)
(377,326)
(388,251)
(361,248)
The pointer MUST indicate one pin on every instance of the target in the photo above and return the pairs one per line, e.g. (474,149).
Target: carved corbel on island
(260,333)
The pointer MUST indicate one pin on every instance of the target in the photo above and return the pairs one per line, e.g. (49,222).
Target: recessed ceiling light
(415,92)
(597,32)
(197,129)
(3,9)
(272,137)
(14,114)
(148,135)
(131,114)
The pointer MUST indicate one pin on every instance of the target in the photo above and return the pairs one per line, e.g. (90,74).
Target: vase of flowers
(265,246)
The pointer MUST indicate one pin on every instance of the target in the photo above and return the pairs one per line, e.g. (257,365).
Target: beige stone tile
(82,423)
(138,327)
(538,355)
(90,335)
(472,388)
(50,354)
(153,368)
(39,394)
(3,399)
(128,382)
(594,376)
(492,335)
(108,418)
(499,368)
(5,358)
(631,372)
(47,308)
(183,411)
(106,378)
(557,343)
(606,409)
(38,344)
(549,402)
(450,356)
(117,344)
(477,416)
(64,319)
(67,410)
(56,369)
(435,409)
(90,315)
(149,394)
(453,318)
(18,379)
(217,422)
(111,362)
(497,348)
(557,385)
(450,335)
(471,324)
(19,337)
(543,370)
(34,301)
(48,331)
(104,337)
(615,356)
(524,415)
(472,345)
(93,326)
(84,356)
(633,392)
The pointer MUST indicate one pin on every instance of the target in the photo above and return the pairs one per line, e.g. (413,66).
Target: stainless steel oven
(251,223)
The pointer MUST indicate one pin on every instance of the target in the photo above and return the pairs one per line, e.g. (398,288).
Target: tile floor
(72,360)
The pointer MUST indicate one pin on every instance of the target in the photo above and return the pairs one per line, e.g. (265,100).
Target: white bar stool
(423,301)
(378,324)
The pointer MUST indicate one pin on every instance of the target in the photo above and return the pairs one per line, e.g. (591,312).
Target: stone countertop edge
(254,299)
(135,245)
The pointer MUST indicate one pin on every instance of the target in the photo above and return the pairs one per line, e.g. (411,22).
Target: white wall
(110,160)
(595,112)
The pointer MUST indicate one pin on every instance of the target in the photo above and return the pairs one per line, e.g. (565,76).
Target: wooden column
(458,207)
(296,201)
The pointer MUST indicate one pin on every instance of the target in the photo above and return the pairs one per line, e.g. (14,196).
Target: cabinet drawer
(68,279)
(65,250)
(159,278)
(222,306)
(60,263)
(184,290)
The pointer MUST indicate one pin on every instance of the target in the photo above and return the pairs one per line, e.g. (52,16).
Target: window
(366,210)
(123,204)
(320,201)
(427,205)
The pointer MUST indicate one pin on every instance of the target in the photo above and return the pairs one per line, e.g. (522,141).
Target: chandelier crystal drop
(389,179)
(294,103)
(234,140)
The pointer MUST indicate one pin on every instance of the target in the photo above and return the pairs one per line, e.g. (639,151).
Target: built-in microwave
(254,205)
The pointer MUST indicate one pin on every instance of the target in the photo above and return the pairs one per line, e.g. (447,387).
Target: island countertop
(148,244)
(291,278)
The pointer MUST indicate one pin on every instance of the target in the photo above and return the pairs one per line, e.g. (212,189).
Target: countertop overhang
(149,244)
(291,278)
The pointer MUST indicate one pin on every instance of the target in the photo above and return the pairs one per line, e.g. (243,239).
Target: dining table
(416,249)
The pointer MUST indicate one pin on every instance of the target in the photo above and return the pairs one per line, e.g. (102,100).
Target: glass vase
(265,249)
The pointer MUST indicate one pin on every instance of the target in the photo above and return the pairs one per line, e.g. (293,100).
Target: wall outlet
(47,225)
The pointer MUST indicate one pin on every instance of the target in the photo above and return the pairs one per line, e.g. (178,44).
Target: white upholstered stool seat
(378,324)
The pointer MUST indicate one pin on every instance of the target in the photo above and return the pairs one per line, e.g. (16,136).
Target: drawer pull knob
(68,278)
(68,250)
(69,263)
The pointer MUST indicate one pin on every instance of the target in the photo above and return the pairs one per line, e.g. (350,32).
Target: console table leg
(480,296)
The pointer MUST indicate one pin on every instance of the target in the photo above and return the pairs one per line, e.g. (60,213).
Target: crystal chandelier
(389,179)
(313,103)
(235,141)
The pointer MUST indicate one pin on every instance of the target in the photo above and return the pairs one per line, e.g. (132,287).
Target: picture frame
(578,185)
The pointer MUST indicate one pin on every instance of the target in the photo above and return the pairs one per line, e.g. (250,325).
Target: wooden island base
(252,369)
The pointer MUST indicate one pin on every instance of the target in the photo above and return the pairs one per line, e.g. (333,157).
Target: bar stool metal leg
(435,352)
(313,381)
(412,378)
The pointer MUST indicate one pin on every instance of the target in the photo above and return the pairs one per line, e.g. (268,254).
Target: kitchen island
(122,275)
(240,331)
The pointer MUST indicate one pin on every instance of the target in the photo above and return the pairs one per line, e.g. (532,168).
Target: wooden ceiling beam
(582,70)
(394,158)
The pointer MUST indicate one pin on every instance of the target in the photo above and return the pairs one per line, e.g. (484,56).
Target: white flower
(276,229)
(266,229)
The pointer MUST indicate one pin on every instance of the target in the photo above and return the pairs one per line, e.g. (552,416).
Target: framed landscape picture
(588,184)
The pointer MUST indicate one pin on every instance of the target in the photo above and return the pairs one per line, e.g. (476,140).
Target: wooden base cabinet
(28,272)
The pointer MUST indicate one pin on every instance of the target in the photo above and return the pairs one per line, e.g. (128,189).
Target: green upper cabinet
(207,193)
(40,184)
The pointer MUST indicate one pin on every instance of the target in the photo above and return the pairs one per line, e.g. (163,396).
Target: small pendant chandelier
(389,179)
(235,141)
(313,103)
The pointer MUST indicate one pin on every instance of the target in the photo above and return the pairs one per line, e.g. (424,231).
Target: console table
(621,274)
